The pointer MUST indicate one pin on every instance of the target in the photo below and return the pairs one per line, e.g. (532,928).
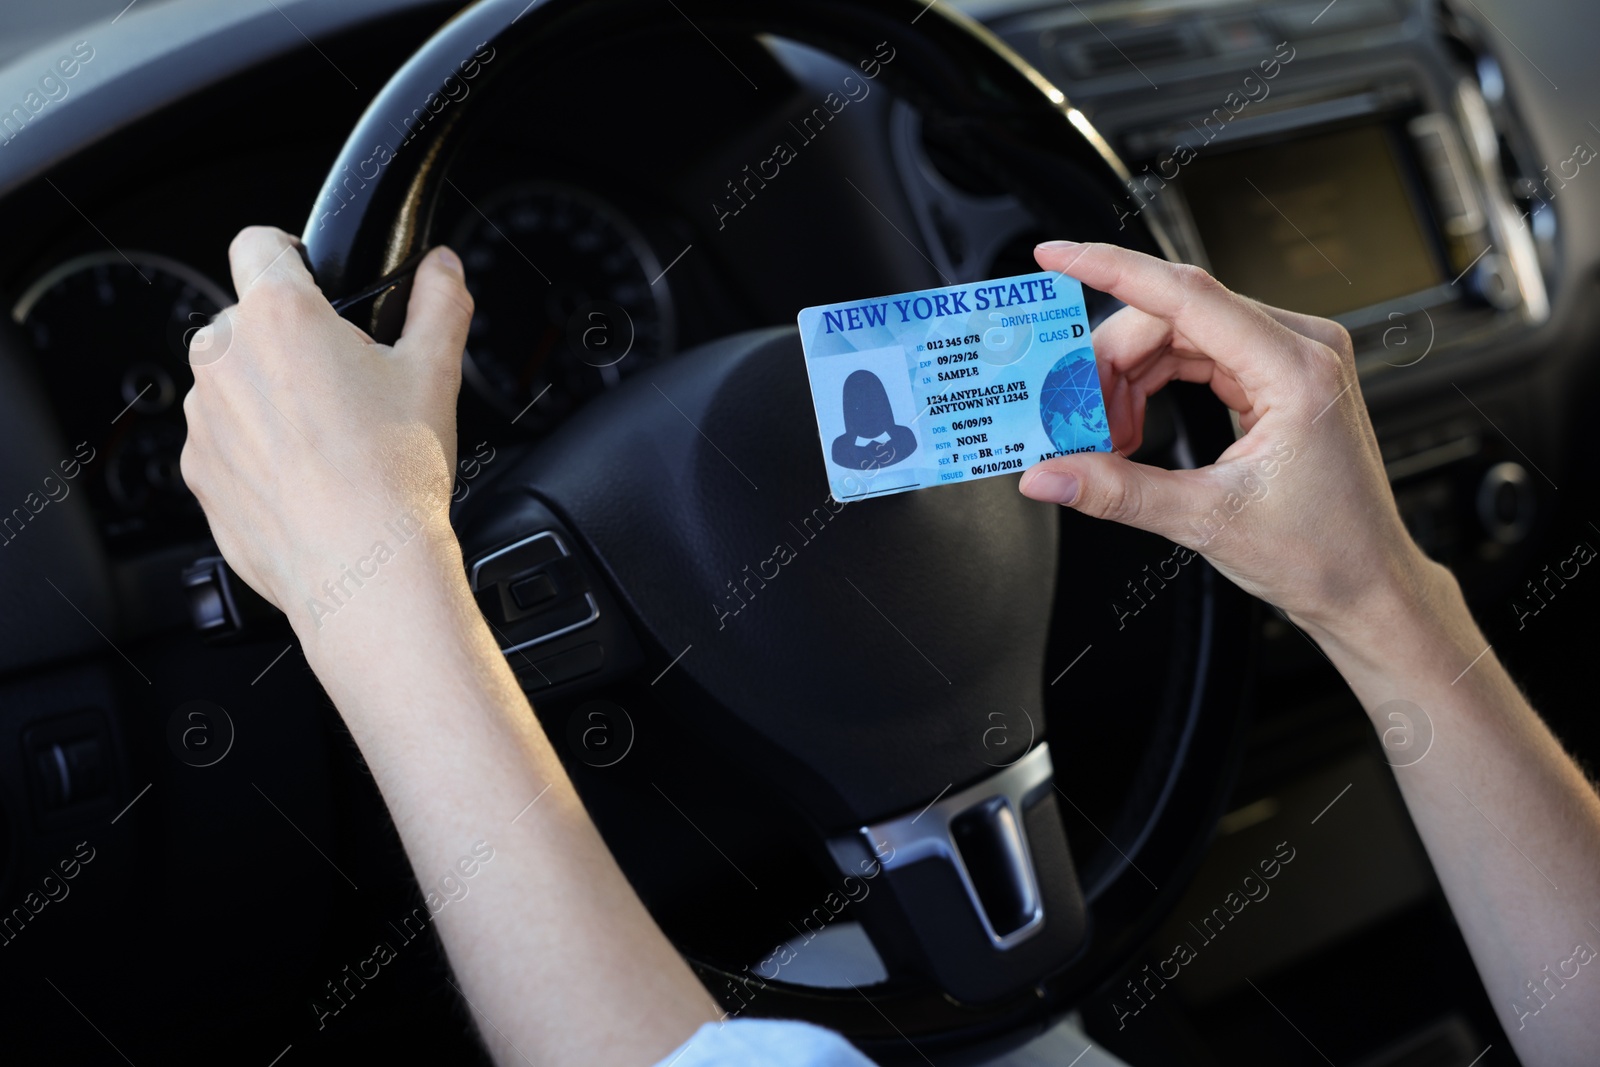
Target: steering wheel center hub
(864,643)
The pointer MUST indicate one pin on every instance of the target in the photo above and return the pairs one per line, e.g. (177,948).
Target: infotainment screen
(1322,224)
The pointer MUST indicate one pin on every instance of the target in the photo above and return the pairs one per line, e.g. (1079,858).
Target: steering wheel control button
(549,610)
(533,592)
(224,609)
(525,556)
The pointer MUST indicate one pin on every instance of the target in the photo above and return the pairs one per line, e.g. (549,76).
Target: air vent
(1092,55)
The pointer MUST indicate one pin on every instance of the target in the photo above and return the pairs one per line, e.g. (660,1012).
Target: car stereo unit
(1370,207)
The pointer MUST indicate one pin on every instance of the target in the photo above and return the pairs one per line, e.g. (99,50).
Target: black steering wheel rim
(371,219)
(371,224)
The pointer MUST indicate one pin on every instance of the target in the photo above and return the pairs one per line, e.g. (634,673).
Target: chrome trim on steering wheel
(1001,799)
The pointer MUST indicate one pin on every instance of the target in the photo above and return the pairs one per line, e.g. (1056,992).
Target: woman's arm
(324,463)
(1510,823)
(1299,512)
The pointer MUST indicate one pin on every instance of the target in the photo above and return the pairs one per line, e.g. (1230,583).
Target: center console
(1360,160)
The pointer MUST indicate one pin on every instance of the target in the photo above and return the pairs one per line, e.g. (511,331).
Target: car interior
(1114,743)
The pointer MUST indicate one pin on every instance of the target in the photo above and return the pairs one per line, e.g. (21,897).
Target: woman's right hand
(1298,510)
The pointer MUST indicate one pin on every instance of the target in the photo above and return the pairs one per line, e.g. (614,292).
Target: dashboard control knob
(1506,502)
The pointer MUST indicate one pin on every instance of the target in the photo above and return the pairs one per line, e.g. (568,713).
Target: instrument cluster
(570,300)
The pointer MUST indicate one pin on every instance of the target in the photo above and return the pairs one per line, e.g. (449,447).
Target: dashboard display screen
(1321,224)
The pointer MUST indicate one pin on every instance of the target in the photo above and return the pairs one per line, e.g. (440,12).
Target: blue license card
(947,385)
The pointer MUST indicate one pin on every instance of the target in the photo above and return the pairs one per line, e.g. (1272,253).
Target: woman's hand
(1298,511)
(310,444)
(311,447)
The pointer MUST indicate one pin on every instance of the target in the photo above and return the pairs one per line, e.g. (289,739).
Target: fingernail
(447,259)
(1055,246)
(1055,487)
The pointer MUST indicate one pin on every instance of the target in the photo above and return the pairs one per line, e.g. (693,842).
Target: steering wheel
(954,863)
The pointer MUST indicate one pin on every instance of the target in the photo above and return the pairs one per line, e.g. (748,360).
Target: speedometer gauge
(569,296)
(111,331)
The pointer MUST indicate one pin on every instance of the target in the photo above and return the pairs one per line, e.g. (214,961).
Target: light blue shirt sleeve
(765,1043)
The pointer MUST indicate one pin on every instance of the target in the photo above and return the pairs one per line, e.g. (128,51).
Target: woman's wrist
(1413,630)
(410,574)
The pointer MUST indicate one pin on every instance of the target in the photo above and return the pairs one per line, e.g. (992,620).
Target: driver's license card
(947,385)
